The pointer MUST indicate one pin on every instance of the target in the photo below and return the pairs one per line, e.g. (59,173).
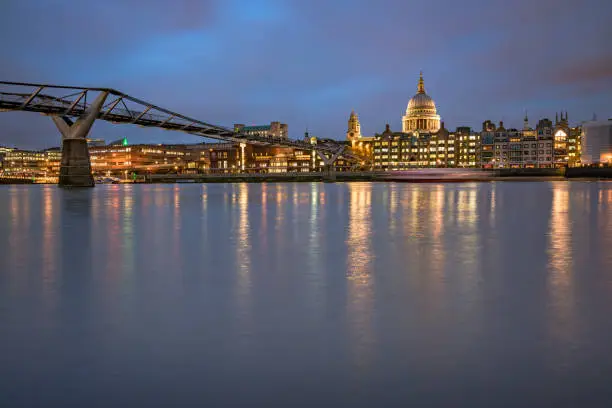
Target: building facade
(596,142)
(574,146)
(487,145)
(421,113)
(353,132)
(401,150)
(30,163)
(273,130)
(561,141)
(545,143)
(467,147)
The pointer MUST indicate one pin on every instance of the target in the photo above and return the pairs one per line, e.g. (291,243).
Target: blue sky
(308,63)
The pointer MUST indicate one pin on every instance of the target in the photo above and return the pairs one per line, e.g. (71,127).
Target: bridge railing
(123,108)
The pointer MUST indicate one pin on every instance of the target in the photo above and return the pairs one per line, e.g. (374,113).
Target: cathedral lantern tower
(421,113)
(354,127)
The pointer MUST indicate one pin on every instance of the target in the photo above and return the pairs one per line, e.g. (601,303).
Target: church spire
(421,87)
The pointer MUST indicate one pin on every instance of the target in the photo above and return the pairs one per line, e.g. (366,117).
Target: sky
(308,63)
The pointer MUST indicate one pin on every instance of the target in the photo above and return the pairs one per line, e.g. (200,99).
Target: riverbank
(408,176)
(6,180)
(589,172)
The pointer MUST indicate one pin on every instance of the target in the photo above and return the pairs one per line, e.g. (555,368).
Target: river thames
(348,294)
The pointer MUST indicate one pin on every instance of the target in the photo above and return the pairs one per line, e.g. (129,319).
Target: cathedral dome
(421,113)
(421,102)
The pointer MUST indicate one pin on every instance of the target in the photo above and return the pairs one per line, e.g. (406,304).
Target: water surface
(348,294)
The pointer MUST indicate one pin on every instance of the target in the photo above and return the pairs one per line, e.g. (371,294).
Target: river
(347,294)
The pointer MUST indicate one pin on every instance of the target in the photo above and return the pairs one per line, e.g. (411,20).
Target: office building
(596,142)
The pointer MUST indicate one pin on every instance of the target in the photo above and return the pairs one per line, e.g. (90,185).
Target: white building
(597,142)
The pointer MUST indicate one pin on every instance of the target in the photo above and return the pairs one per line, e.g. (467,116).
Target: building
(3,152)
(545,141)
(442,148)
(400,150)
(121,159)
(487,145)
(574,146)
(395,150)
(221,157)
(561,141)
(515,149)
(530,145)
(96,142)
(596,142)
(359,144)
(422,142)
(353,132)
(526,148)
(467,147)
(31,163)
(501,143)
(274,130)
(421,113)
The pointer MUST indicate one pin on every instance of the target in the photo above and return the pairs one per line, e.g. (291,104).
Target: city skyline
(310,65)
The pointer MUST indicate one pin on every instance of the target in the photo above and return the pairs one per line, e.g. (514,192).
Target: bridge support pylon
(329,174)
(75,168)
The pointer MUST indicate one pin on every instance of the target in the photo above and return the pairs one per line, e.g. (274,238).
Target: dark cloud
(585,71)
(309,63)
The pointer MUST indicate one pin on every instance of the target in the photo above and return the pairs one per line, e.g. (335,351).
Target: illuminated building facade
(501,159)
(545,142)
(515,149)
(561,141)
(596,141)
(487,144)
(273,130)
(353,132)
(360,145)
(547,146)
(442,148)
(29,163)
(122,158)
(467,147)
(421,113)
(400,150)
(574,146)
(395,150)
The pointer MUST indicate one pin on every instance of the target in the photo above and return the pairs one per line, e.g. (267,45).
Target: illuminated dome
(421,101)
(421,113)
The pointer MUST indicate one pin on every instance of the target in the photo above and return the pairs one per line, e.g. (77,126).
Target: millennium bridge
(75,109)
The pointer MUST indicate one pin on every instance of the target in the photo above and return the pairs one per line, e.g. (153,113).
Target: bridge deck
(121,108)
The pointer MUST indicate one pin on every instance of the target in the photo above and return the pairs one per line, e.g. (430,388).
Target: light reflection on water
(359,272)
(356,294)
(560,279)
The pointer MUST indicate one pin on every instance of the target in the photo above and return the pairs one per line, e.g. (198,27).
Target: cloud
(310,63)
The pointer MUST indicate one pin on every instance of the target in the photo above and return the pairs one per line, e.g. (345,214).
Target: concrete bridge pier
(329,174)
(75,168)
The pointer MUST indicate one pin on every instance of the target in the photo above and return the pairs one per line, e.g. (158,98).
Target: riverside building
(467,147)
(273,130)
(30,163)
(596,141)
